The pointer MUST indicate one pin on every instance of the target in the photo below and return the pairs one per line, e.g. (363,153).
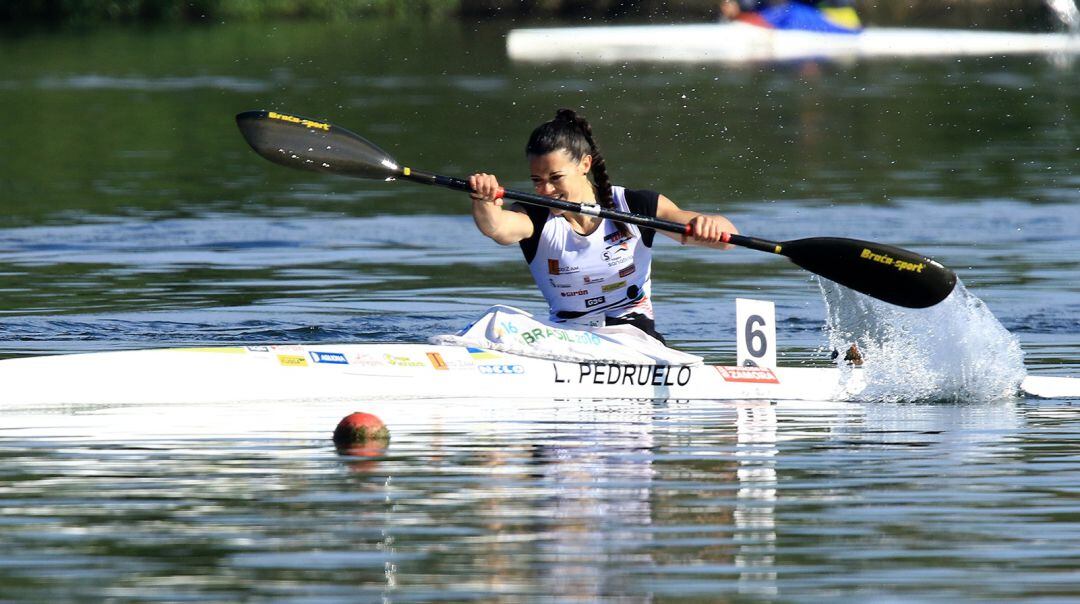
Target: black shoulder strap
(538,215)
(643,201)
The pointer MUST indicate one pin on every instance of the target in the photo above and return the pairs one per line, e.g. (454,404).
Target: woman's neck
(581,223)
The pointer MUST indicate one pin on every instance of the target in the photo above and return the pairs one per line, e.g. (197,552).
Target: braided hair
(572,133)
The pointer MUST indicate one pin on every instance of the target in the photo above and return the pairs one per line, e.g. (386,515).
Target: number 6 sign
(755,333)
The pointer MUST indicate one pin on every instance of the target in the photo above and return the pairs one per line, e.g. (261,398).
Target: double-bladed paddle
(885,272)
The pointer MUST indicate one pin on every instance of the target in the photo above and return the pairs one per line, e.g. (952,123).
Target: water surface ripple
(564,499)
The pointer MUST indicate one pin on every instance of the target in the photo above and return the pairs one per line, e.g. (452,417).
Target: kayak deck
(362,372)
(377,371)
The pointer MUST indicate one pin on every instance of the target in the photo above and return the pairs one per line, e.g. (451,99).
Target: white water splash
(954,351)
(1066,12)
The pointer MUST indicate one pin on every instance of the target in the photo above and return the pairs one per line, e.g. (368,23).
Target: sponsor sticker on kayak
(441,363)
(364,359)
(501,369)
(437,361)
(331,358)
(753,375)
(292,360)
(401,361)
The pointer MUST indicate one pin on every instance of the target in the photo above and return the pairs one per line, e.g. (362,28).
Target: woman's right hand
(504,225)
(485,189)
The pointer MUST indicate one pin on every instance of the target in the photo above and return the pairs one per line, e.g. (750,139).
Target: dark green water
(133,215)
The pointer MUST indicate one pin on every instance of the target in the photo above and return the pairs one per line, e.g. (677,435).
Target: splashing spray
(1066,12)
(955,351)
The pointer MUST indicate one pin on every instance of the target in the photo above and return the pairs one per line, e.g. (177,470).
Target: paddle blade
(298,142)
(888,273)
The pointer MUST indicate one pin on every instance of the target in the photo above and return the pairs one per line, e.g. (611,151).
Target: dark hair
(572,133)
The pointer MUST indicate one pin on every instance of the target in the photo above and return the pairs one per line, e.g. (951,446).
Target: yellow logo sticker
(887,260)
(298,120)
(400,361)
(292,360)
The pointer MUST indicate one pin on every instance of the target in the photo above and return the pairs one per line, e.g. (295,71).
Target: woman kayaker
(592,271)
(829,16)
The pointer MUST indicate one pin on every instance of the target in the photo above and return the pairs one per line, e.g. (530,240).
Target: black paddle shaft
(549,202)
(885,272)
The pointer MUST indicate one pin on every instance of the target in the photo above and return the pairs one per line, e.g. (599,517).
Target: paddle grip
(762,245)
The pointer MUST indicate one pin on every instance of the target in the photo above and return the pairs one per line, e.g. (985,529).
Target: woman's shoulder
(641,201)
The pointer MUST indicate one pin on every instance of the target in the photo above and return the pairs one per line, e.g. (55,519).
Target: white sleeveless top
(585,278)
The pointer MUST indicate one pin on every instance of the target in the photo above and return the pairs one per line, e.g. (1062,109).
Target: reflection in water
(602,497)
(577,500)
(386,545)
(599,477)
(975,431)
(536,498)
(755,522)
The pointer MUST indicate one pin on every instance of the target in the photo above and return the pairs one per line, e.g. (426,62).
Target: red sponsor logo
(754,375)
(627,271)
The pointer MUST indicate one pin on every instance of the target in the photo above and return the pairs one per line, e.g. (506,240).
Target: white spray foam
(1067,13)
(954,351)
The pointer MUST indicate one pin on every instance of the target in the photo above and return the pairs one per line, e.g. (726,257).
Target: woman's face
(557,175)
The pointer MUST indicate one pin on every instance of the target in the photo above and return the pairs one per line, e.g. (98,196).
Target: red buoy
(360,428)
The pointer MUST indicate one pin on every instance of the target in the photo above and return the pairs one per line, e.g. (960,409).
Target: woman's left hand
(707,230)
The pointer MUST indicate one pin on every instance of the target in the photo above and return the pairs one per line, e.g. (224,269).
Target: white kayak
(740,42)
(365,372)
